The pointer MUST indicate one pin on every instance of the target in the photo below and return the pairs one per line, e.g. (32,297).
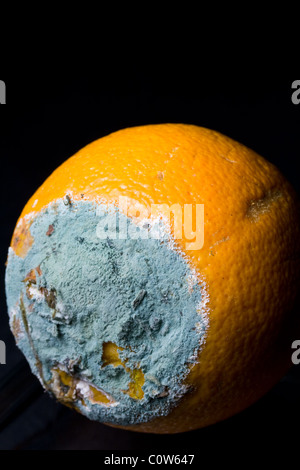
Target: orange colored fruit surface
(249,261)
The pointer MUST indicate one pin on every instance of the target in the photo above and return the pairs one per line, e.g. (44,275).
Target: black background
(51,112)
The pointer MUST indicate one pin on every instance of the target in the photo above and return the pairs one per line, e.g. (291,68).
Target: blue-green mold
(75,291)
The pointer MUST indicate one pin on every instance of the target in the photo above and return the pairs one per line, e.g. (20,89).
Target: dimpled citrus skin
(249,260)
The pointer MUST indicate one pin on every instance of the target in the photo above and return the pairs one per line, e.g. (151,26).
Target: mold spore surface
(108,324)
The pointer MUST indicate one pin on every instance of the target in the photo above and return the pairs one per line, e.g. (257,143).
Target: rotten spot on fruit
(50,296)
(22,238)
(110,355)
(38,270)
(72,365)
(259,206)
(50,230)
(30,277)
(67,200)
(16,327)
(30,280)
(69,388)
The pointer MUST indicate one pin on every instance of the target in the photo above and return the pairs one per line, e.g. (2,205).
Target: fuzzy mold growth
(111,325)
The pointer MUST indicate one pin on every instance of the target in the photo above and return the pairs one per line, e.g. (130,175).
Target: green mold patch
(110,325)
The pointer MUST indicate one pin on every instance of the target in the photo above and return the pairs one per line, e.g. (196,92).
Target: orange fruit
(158,333)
